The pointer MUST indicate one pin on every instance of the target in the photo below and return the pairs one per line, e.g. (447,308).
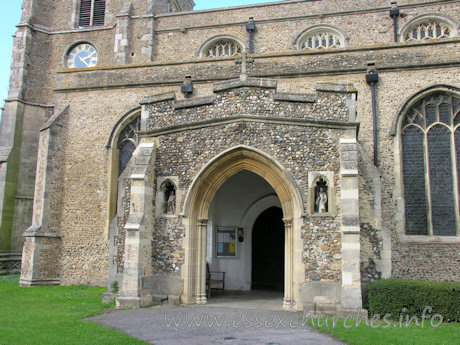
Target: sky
(10,14)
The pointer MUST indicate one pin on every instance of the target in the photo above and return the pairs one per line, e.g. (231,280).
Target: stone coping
(334,87)
(250,82)
(248,118)
(54,118)
(159,98)
(295,97)
(194,102)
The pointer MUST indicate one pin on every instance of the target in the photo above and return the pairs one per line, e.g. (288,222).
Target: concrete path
(202,325)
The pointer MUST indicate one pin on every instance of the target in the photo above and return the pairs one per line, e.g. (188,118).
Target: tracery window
(223,48)
(127,143)
(430,138)
(320,37)
(320,40)
(427,30)
(92,13)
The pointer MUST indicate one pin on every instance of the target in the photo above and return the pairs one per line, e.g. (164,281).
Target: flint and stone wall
(160,50)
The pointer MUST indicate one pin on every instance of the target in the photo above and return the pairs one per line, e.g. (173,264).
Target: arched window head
(127,143)
(221,47)
(92,13)
(430,140)
(173,6)
(319,37)
(428,27)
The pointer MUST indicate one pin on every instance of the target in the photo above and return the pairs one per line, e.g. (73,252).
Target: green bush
(392,295)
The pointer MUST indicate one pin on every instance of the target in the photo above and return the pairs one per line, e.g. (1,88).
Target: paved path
(177,325)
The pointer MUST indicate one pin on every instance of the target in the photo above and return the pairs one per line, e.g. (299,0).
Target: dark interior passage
(268,251)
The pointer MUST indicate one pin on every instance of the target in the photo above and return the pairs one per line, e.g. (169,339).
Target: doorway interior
(253,256)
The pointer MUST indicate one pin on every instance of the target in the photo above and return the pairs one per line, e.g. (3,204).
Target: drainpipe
(250,27)
(372,78)
(394,13)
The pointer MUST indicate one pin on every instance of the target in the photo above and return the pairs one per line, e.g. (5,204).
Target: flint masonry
(302,146)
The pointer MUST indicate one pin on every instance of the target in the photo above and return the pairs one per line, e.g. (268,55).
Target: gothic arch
(113,161)
(409,102)
(196,209)
(399,191)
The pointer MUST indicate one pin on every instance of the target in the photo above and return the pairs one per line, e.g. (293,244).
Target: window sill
(430,239)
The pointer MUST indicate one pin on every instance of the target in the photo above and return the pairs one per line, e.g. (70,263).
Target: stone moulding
(333,87)
(295,97)
(158,98)
(195,102)
(250,82)
(249,118)
(54,118)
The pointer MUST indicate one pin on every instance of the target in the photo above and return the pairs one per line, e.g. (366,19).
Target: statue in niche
(169,200)
(171,207)
(321,202)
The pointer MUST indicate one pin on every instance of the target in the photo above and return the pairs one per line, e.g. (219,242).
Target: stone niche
(167,200)
(321,194)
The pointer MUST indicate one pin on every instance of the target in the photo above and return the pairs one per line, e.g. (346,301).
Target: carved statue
(171,206)
(321,201)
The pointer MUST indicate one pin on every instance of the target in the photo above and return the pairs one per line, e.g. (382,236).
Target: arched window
(92,13)
(320,37)
(221,47)
(428,27)
(173,6)
(127,143)
(430,139)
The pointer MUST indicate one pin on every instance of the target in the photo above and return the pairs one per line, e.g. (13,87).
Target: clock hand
(90,55)
(83,61)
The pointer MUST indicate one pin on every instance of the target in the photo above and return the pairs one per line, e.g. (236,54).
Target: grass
(53,315)
(444,334)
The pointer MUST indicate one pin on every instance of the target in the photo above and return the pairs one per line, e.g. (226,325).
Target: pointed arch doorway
(196,215)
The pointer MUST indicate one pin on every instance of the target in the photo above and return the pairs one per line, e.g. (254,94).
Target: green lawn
(52,315)
(444,334)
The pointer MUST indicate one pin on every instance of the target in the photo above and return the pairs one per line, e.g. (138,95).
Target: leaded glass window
(319,40)
(427,30)
(127,143)
(224,48)
(430,137)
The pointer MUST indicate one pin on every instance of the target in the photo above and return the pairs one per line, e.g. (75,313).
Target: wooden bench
(214,281)
(10,262)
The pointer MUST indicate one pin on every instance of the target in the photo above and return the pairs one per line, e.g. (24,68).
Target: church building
(302,146)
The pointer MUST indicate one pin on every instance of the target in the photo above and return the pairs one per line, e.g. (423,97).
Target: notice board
(226,241)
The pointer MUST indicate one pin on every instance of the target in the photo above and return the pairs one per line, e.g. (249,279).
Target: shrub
(392,295)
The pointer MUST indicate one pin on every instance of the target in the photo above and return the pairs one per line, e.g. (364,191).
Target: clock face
(81,56)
